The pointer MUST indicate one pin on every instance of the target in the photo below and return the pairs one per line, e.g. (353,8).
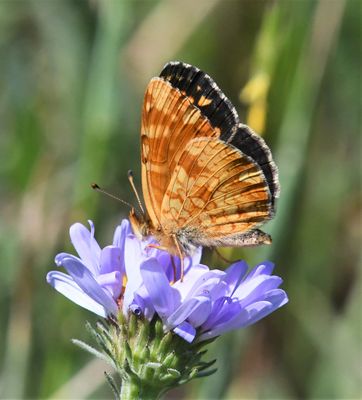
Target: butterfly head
(140,225)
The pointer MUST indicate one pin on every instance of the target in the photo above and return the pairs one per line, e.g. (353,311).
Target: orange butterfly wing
(215,193)
(169,122)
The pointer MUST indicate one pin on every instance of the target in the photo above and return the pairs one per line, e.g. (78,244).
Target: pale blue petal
(129,295)
(251,286)
(192,260)
(61,256)
(222,312)
(86,246)
(196,256)
(65,285)
(201,313)
(188,282)
(220,289)
(120,234)
(217,308)
(164,297)
(264,268)
(111,260)
(234,274)
(277,297)
(257,311)
(165,259)
(119,240)
(186,331)
(96,250)
(248,316)
(145,303)
(133,259)
(85,280)
(256,289)
(112,282)
(224,327)
(205,283)
(187,308)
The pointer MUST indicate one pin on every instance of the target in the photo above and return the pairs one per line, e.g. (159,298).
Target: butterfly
(207,179)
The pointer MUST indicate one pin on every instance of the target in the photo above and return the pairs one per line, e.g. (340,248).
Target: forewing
(216,191)
(169,122)
(223,116)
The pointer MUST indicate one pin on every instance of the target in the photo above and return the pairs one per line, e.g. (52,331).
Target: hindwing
(215,191)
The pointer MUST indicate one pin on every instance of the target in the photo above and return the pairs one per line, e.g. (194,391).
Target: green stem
(133,389)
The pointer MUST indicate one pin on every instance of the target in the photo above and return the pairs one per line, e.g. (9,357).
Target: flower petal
(238,321)
(164,297)
(185,286)
(234,274)
(256,311)
(65,285)
(201,313)
(144,303)
(61,256)
(120,234)
(133,258)
(111,260)
(119,240)
(277,297)
(223,310)
(208,283)
(247,316)
(264,268)
(112,282)
(192,260)
(186,331)
(254,289)
(186,309)
(86,246)
(85,280)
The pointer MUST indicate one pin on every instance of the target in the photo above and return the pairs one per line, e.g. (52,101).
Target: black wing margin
(204,93)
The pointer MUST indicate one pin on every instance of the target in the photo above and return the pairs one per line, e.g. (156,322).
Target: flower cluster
(133,276)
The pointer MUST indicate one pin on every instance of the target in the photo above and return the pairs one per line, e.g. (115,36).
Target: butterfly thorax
(170,237)
(177,239)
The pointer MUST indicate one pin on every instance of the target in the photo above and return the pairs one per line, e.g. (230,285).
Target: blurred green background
(73,75)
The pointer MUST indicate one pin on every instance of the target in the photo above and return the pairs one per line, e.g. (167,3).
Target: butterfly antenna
(99,189)
(130,178)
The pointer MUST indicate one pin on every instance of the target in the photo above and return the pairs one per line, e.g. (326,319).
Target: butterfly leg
(174,269)
(226,260)
(180,255)
(156,246)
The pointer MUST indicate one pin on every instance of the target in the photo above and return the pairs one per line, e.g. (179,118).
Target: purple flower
(100,280)
(95,279)
(134,276)
(207,302)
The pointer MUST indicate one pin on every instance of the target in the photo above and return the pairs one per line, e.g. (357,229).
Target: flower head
(132,276)
(207,302)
